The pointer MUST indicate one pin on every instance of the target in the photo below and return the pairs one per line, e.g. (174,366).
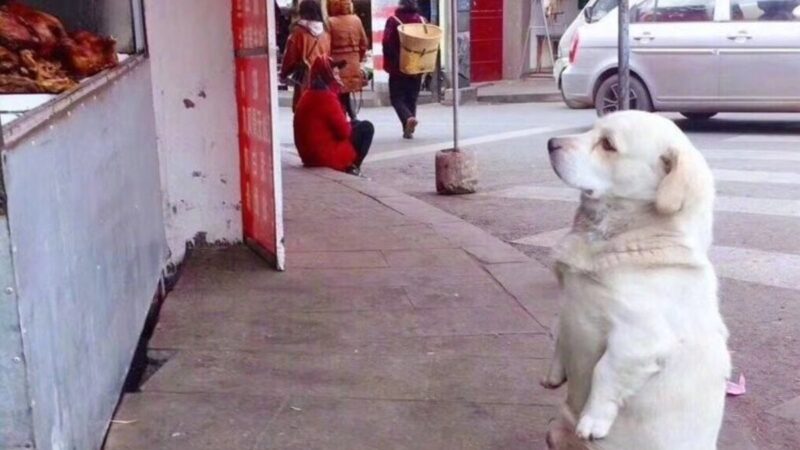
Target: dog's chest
(584,324)
(585,308)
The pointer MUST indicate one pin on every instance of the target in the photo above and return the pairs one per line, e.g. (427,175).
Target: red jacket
(322,132)
(391,37)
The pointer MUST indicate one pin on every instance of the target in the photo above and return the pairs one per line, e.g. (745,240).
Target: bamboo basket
(419,45)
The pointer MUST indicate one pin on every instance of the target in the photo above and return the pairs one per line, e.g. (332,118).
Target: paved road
(756,161)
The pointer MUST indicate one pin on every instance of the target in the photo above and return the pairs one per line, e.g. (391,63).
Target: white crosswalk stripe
(743,264)
(765,138)
(754,155)
(769,268)
(756,176)
(749,205)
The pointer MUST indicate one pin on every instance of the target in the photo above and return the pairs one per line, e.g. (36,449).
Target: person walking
(348,43)
(322,134)
(282,27)
(307,42)
(403,89)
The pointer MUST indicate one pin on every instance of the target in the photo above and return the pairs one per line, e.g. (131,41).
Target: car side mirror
(587,13)
(796,13)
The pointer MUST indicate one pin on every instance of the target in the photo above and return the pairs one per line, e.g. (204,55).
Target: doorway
(486,40)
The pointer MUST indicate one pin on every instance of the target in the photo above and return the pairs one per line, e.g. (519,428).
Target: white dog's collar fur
(581,253)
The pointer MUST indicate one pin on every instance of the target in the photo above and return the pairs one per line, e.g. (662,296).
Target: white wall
(191,50)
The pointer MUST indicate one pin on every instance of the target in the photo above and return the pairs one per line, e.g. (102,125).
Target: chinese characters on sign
(253,96)
(250,24)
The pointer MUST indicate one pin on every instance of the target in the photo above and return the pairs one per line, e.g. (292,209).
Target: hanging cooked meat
(14,33)
(9,61)
(48,30)
(50,75)
(87,54)
(17,84)
(37,55)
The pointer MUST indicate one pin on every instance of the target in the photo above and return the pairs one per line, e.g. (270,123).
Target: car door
(674,50)
(760,55)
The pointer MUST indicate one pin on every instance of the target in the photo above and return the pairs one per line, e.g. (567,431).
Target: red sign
(256,146)
(249,24)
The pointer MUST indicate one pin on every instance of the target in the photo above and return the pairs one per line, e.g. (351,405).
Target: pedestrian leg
(347,104)
(361,137)
(397,97)
(414,87)
(411,87)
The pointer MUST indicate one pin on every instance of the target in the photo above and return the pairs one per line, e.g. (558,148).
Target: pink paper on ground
(736,389)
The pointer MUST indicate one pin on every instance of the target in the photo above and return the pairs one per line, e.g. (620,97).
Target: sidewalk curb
(544,97)
(531,283)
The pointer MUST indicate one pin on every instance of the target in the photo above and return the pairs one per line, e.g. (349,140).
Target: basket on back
(419,45)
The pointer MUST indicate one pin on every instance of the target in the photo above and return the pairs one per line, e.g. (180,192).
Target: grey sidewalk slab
(193,421)
(232,331)
(215,421)
(396,325)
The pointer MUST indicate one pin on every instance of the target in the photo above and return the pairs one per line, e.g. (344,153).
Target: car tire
(605,99)
(698,116)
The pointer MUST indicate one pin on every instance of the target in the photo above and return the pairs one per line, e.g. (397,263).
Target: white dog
(640,341)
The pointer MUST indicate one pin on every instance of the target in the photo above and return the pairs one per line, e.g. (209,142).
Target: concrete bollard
(456,172)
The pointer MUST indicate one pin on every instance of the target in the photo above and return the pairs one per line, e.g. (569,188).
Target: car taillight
(573,49)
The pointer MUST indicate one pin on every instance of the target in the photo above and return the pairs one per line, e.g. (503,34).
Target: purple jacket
(391,38)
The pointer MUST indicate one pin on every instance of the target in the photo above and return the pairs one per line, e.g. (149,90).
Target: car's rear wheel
(606,100)
(698,115)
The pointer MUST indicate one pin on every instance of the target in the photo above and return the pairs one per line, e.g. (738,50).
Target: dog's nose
(553,145)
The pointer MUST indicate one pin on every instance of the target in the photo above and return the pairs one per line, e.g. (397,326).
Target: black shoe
(410,128)
(354,170)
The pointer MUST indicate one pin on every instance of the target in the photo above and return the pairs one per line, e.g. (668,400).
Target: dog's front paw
(590,428)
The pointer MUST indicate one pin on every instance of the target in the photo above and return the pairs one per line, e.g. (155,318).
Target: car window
(674,11)
(601,8)
(769,10)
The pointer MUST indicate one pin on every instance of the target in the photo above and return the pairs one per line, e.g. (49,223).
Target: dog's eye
(607,146)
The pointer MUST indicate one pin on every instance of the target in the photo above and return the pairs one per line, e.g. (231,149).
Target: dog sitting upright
(640,342)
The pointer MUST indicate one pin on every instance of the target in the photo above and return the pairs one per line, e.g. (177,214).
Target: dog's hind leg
(556,374)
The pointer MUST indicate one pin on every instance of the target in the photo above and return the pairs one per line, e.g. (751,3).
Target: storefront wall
(88,246)
(516,14)
(548,31)
(194,93)
(104,190)
(16,423)
(486,39)
(382,10)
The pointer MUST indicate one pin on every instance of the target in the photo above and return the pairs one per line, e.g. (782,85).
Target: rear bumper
(577,86)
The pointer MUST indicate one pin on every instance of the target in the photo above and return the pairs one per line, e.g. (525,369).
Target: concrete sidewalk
(396,326)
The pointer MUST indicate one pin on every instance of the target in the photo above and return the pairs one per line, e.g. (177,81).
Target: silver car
(697,57)
(591,13)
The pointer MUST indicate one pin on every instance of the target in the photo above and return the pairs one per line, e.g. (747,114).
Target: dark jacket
(391,38)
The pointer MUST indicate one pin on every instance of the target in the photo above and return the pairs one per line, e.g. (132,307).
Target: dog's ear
(688,180)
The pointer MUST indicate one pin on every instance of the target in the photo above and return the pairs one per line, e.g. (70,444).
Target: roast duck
(38,55)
